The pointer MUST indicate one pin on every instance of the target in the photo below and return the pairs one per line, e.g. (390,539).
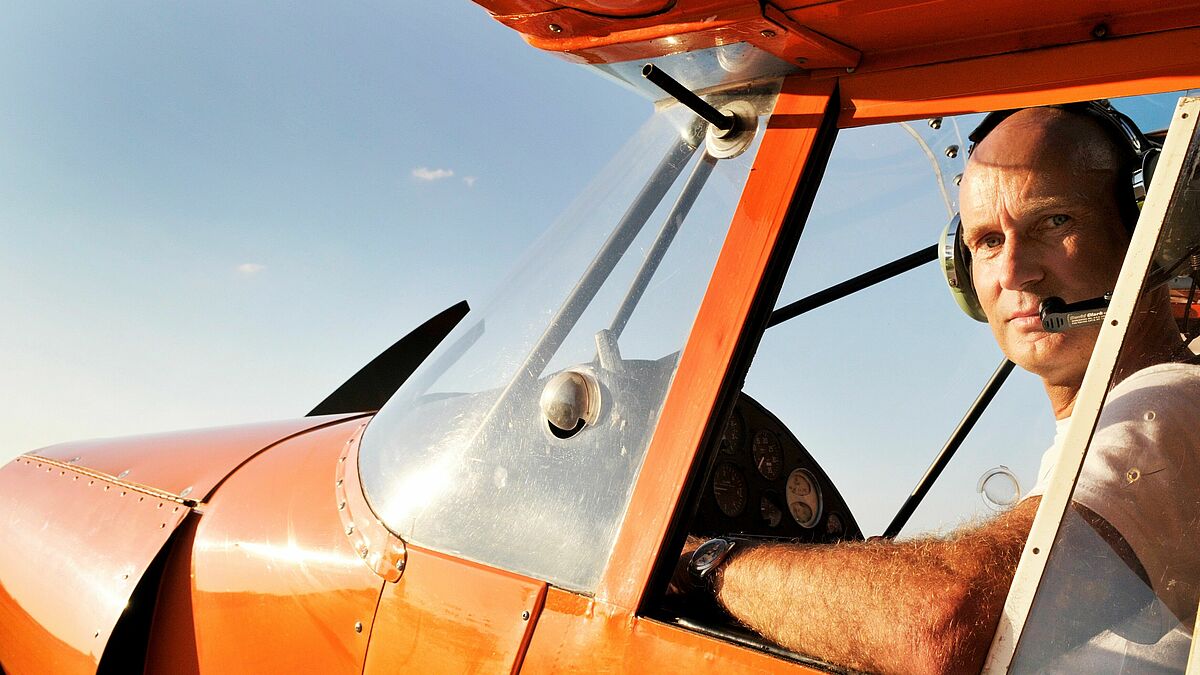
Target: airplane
(509,487)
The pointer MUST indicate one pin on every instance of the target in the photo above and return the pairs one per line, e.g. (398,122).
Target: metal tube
(685,96)
(952,444)
(683,205)
(858,283)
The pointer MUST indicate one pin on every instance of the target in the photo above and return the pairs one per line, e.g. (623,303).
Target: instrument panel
(765,483)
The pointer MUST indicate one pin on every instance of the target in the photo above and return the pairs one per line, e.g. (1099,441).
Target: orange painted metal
(686,25)
(172,645)
(74,547)
(1167,61)
(752,237)
(868,35)
(892,34)
(579,634)
(276,584)
(448,615)
(192,461)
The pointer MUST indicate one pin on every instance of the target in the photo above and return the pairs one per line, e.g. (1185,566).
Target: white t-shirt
(1142,475)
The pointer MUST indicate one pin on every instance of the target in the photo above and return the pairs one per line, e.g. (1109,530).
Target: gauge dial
(729,488)
(771,514)
(734,434)
(834,526)
(803,497)
(768,454)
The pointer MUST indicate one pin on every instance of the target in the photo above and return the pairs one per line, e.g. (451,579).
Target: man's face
(1040,219)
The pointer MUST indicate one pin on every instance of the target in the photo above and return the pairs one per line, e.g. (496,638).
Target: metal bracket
(383,552)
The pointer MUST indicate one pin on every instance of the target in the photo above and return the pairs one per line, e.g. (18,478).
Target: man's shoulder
(1165,379)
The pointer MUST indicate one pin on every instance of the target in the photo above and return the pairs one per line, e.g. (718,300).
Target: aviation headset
(1139,156)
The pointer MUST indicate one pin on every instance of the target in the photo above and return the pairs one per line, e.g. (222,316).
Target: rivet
(339,483)
(123,473)
(162,525)
(74,459)
(1185,116)
(1150,415)
(850,69)
(525,615)
(1133,474)
(126,576)
(801,59)
(186,491)
(958,179)
(952,151)
(1100,30)
(341,506)
(362,551)
(1114,322)
(96,634)
(767,33)
(357,626)
(555,28)
(935,123)
(350,529)
(1036,550)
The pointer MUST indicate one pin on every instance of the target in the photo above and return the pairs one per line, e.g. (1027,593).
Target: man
(1041,217)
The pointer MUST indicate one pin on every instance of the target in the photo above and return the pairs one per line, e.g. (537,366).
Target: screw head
(768,33)
(952,151)
(555,28)
(525,615)
(935,123)
(357,626)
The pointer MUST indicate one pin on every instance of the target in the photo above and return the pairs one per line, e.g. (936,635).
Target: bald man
(1040,218)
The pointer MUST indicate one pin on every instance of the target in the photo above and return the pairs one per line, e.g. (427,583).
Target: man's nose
(1020,265)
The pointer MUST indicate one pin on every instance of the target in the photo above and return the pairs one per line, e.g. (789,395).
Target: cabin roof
(813,35)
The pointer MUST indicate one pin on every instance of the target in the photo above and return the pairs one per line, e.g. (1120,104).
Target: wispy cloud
(425,173)
(250,269)
(469,180)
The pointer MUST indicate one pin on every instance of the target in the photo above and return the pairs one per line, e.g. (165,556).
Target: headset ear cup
(956,268)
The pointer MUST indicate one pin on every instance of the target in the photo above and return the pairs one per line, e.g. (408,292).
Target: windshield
(462,459)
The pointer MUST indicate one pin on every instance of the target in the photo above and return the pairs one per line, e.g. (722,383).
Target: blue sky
(216,212)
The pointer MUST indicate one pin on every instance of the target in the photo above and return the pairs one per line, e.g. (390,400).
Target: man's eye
(1058,220)
(989,241)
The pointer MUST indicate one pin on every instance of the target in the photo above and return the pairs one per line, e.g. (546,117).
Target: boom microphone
(1058,316)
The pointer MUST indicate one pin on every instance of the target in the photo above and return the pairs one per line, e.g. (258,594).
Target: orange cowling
(82,522)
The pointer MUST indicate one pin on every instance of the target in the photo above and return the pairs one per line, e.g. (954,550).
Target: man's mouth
(1026,319)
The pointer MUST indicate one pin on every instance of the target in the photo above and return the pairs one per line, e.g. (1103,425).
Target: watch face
(708,553)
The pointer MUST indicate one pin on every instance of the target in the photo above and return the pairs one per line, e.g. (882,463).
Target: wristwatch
(708,557)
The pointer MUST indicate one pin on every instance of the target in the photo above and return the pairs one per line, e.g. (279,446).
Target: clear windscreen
(463,460)
(1122,581)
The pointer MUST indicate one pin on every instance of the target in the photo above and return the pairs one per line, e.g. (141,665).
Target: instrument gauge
(768,454)
(803,497)
(734,434)
(771,514)
(729,489)
(834,526)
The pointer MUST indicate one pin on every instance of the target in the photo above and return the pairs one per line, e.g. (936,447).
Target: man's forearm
(927,605)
